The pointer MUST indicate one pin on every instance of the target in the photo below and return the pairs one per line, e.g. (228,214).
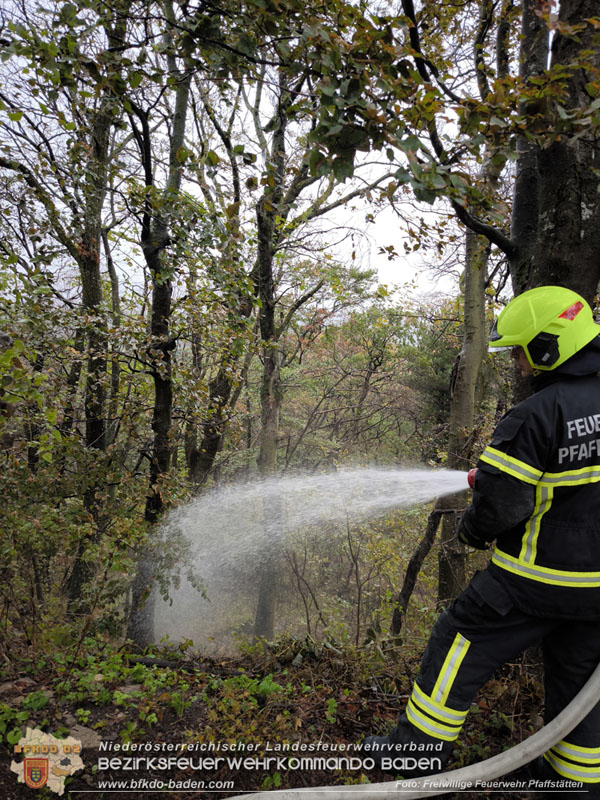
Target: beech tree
(135,129)
(539,110)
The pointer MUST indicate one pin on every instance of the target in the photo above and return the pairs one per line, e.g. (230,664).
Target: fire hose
(481,772)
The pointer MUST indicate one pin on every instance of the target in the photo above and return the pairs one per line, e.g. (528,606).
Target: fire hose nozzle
(471,477)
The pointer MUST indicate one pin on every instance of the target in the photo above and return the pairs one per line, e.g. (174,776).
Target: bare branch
(295,306)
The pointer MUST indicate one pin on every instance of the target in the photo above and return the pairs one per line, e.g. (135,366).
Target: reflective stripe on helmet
(572,311)
(550,323)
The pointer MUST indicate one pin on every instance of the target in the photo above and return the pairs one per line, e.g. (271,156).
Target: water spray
(481,772)
(227,531)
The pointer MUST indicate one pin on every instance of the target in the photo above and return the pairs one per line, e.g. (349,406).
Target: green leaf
(402,175)
(425,195)
(246,45)
(438,181)
(12,737)
(343,168)
(328,87)
(68,12)
(135,79)
(15,116)
(411,143)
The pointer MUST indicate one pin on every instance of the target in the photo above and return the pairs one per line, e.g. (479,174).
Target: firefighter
(537,494)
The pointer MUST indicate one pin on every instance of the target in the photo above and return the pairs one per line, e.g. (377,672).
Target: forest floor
(291,705)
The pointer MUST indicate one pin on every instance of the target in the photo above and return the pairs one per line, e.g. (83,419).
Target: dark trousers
(481,631)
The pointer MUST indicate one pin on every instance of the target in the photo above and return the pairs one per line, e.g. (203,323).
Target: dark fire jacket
(537,494)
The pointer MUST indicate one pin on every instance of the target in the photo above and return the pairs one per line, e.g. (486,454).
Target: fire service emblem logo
(47,761)
(35,772)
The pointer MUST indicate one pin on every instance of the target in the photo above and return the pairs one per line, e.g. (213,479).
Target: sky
(419,271)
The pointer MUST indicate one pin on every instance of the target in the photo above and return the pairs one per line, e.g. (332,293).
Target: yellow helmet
(550,323)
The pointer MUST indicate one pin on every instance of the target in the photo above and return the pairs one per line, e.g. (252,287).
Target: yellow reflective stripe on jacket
(512,466)
(576,762)
(557,577)
(528,474)
(546,484)
(543,501)
(572,477)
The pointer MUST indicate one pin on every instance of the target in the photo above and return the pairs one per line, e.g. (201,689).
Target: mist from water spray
(226,532)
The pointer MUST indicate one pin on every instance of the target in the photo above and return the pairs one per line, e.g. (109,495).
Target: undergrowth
(290,693)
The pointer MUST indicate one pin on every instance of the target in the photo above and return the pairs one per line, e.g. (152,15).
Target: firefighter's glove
(470,538)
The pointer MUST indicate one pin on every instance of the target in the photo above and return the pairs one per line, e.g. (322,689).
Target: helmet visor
(495,336)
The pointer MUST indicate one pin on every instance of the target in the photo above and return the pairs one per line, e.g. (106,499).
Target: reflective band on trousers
(438,730)
(429,713)
(575,761)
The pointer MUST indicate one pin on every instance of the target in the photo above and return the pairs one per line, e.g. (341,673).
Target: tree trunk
(97,341)
(222,396)
(452,558)
(155,239)
(556,214)
(270,398)
(141,621)
(270,395)
(115,368)
(264,624)
(569,231)
(412,571)
(525,209)
(452,555)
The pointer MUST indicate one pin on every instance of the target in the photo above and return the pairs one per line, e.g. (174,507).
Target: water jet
(229,535)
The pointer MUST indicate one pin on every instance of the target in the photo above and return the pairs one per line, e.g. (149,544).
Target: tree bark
(568,235)
(88,248)
(155,239)
(223,395)
(556,215)
(533,60)
(412,571)
(115,369)
(270,399)
(267,211)
(452,558)
(452,554)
